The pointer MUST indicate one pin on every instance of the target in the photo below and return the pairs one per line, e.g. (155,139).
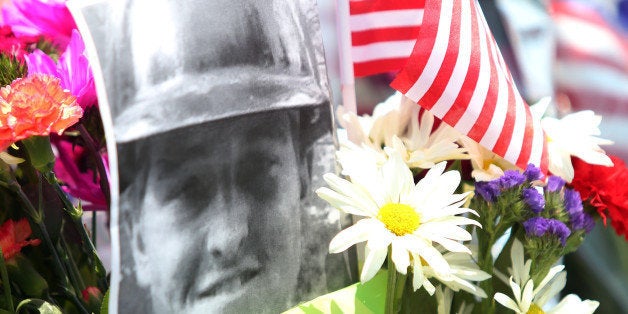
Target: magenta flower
(48,18)
(79,181)
(73,70)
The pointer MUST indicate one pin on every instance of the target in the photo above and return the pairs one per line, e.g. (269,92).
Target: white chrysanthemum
(426,148)
(529,299)
(11,160)
(574,135)
(463,271)
(395,123)
(486,165)
(406,217)
(389,118)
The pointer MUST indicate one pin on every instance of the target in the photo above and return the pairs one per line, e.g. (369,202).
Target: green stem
(94,224)
(37,218)
(6,284)
(102,173)
(75,215)
(75,276)
(485,259)
(395,287)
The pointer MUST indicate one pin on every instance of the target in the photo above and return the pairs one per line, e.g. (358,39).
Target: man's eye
(257,177)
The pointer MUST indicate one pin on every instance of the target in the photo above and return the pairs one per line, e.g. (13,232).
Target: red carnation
(605,189)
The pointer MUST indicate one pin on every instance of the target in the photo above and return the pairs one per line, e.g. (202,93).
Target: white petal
(516,290)
(452,245)
(507,302)
(429,287)
(417,273)
(433,258)
(572,304)
(372,263)
(552,272)
(543,295)
(527,296)
(342,202)
(400,257)
(397,177)
(357,233)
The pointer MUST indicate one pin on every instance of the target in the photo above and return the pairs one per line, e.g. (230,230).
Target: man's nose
(228,226)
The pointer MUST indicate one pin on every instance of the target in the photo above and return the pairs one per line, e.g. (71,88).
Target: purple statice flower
(511,179)
(555,183)
(533,173)
(73,70)
(534,199)
(539,226)
(48,18)
(577,217)
(489,190)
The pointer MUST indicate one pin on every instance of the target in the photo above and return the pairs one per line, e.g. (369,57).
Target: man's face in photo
(219,224)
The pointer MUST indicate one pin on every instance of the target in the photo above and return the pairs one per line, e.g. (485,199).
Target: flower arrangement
(455,228)
(52,163)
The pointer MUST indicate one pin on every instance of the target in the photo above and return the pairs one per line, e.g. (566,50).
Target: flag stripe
(435,60)
(386,19)
(384,35)
(457,71)
(382,50)
(367,6)
(460,23)
(379,66)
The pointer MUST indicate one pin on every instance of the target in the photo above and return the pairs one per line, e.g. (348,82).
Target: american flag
(457,72)
(383,33)
(591,66)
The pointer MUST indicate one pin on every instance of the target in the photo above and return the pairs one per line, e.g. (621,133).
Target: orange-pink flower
(35,105)
(13,235)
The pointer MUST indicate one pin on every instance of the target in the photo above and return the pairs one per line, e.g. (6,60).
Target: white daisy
(486,165)
(529,299)
(574,135)
(401,215)
(463,271)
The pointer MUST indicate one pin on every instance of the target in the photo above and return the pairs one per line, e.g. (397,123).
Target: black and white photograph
(222,121)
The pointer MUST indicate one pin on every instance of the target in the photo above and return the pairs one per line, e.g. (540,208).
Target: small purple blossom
(533,173)
(578,218)
(539,226)
(555,183)
(489,190)
(511,179)
(534,199)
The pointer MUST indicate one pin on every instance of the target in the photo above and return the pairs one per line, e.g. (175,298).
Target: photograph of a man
(223,129)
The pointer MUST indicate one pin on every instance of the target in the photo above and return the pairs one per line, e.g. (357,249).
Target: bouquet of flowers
(53,163)
(458,228)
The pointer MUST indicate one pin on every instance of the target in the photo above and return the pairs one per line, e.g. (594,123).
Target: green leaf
(104,307)
(367,298)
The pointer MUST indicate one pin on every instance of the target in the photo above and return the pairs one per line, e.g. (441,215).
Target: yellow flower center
(400,219)
(535,309)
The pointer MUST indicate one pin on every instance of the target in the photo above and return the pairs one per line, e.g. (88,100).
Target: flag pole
(347,80)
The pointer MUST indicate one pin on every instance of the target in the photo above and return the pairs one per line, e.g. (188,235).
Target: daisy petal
(372,263)
(507,302)
(357,233)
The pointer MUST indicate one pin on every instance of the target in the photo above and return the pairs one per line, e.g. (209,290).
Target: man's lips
(228,280)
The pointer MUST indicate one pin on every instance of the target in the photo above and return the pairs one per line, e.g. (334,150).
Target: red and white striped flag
(591,66)
(457,72)
(383,33)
